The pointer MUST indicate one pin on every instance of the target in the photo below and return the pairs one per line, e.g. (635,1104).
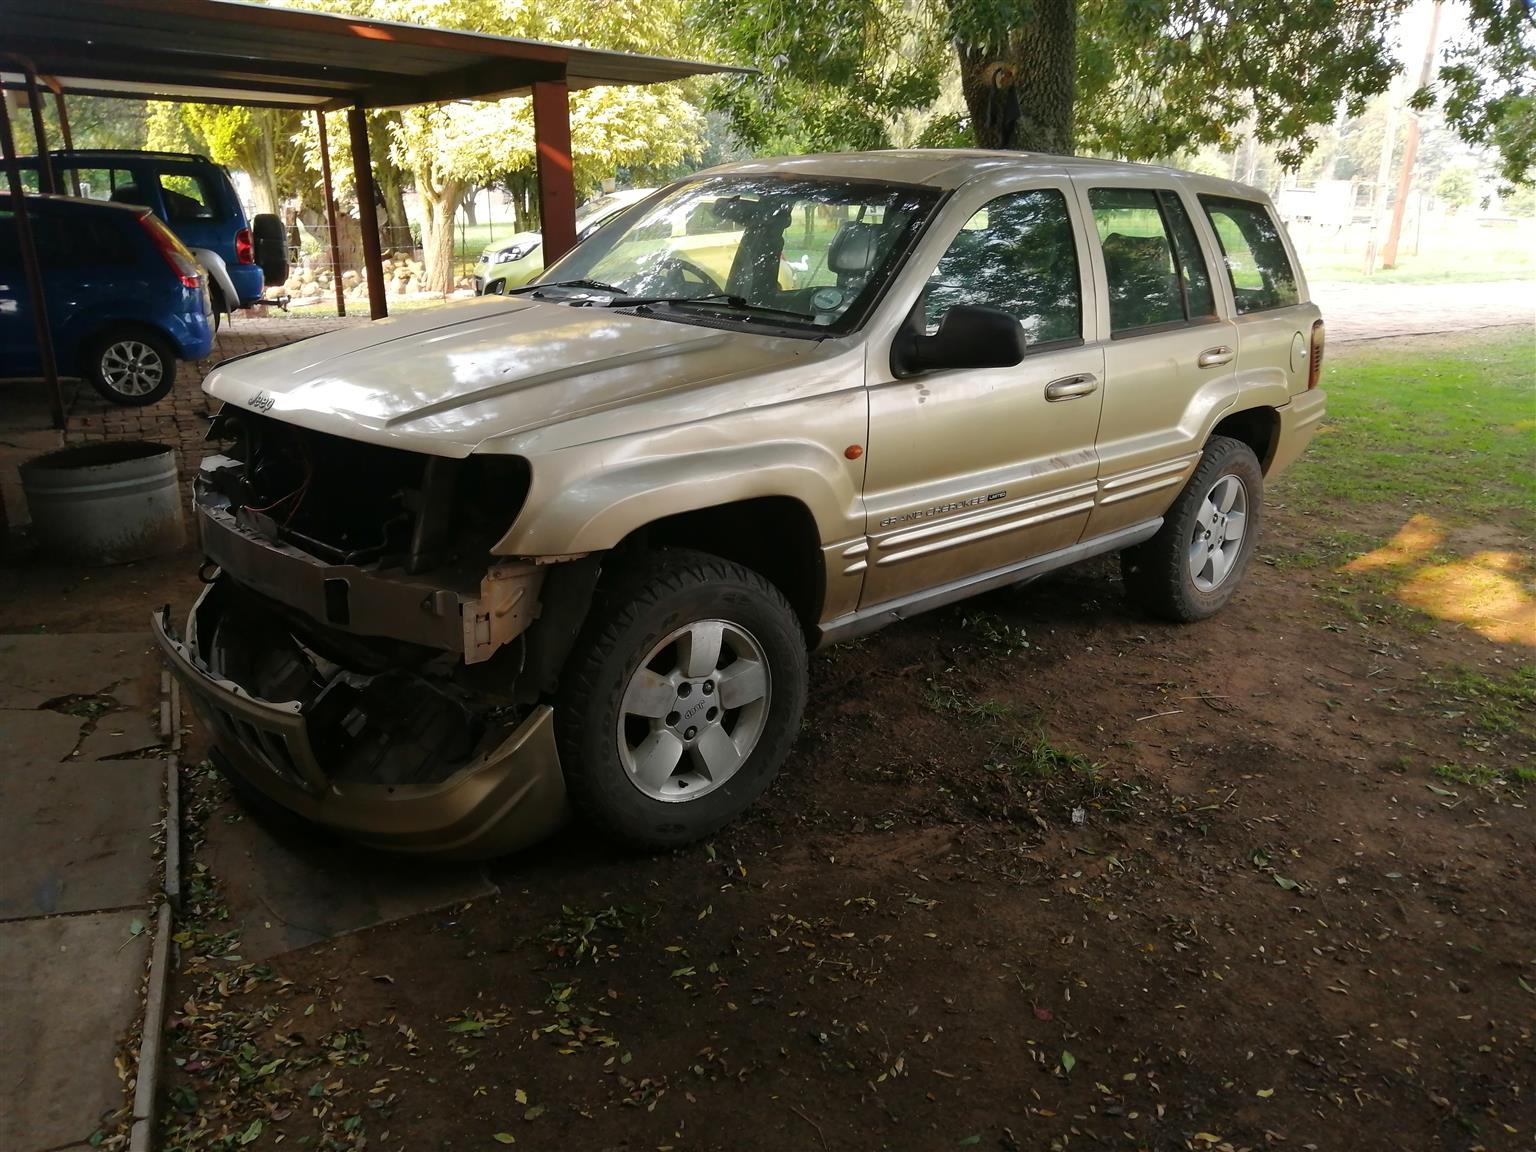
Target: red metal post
(330,215)
(30,266)
(557,188)
(367,212)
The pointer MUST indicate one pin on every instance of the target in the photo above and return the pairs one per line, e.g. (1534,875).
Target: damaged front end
(359,654)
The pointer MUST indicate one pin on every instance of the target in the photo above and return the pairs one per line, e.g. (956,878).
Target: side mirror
(968,337)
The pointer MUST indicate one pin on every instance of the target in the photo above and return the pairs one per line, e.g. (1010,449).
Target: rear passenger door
(1274,328)
(1169,358)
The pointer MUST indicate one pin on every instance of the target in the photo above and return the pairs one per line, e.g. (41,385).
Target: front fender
(577,505)
(218,274)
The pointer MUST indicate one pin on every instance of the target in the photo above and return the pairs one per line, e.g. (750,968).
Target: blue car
(196,200)
(125,298)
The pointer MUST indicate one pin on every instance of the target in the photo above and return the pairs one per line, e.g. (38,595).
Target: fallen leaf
(504,1138)
(971,1141)
(1287,883)
(520,1096)
(1068,1061)
(534,1113)
(1044,1014)
(1264,1093)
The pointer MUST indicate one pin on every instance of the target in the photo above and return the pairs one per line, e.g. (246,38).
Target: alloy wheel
(132,367)
(694,710)
(1218,533)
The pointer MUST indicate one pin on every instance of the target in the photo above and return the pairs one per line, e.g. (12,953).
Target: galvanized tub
(105,503)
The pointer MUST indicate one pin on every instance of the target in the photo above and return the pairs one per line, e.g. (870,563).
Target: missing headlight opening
(357,581)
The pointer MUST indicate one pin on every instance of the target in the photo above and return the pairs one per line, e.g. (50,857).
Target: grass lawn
(1417,500)
(1442,425)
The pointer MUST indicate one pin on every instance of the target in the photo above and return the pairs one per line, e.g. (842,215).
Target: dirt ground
(1040,874)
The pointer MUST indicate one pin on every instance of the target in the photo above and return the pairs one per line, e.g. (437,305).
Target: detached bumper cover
(1299,421)
(507,798)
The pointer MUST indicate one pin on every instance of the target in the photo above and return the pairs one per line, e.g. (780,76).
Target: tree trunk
(469,205)
(439,204)
(1021,94)
(264,177)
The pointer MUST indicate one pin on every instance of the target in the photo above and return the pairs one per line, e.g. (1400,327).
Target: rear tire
(681,699)
(132,365)
(1192,567)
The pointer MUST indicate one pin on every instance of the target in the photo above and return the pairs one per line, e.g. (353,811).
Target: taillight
(1315,363)
(245,247)
(174,251)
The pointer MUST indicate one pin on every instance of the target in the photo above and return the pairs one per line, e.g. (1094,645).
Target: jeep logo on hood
(262,402)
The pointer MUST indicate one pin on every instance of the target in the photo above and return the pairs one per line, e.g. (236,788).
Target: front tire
(681,699)
(1192,567)
(131,365)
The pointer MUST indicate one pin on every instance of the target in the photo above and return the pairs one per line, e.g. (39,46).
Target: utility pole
(1383,174)
(1411,146)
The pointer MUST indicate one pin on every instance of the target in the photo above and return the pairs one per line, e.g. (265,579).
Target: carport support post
(29,264)
(45,181)
(557,188)
(330,215)
(367,212)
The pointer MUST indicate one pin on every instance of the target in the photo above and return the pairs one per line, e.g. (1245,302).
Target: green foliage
(1489,85)
(1454,188)
(834,74)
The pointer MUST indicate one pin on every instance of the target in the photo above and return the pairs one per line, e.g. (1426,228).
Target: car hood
(443,380)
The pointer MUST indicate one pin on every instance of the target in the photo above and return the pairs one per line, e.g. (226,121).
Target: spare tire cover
(270,240)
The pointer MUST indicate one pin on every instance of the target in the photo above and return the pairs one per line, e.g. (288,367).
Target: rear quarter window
(1258,266)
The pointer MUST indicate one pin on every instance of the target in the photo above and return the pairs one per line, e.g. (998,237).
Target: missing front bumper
(506,798)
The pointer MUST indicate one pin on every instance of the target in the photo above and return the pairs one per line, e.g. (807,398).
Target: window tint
(73,243)
(1016,254)
(1152,261)
(1257,263)
(187,196)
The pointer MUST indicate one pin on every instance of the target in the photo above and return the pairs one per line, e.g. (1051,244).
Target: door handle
(1215,357)
(1069,387)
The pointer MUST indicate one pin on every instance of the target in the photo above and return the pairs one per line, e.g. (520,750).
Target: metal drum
(105,503)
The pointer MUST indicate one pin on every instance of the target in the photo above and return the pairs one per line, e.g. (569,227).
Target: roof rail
(150,152)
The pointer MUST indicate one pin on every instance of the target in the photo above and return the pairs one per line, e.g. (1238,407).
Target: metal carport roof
(218,51)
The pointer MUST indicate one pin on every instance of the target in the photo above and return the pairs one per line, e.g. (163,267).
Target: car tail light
(1315,362)
(245,247)
(174,251)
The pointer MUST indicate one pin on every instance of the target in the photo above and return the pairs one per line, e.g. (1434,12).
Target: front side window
(1257,263)
(1155,273)
(1016,254)
(782,250)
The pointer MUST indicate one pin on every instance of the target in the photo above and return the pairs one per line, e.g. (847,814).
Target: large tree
(1135,78)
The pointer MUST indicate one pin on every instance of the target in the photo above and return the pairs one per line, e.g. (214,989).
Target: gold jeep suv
(570,546)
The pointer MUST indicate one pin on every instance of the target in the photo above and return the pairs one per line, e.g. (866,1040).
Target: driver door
(972,470)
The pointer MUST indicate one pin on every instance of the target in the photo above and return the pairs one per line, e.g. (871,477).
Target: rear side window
(1016,254)
(188,196)
(1257,263)
(1152,262)
(95,183)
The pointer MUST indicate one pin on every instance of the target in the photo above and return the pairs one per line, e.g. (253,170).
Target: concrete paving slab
(287,891)
(38,735)
(56,1064)
(78,836)
(36,668)
(120,733)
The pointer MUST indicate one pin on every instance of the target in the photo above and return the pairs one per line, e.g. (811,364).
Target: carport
(220,52)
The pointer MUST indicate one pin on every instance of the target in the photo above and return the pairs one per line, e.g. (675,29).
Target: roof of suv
(951,167)
(50,201)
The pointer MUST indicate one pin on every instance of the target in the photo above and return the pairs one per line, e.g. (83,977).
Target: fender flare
(218,275)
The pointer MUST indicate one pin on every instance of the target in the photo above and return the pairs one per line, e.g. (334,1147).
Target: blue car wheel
(131,365)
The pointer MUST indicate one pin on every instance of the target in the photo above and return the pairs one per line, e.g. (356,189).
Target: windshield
(813,252)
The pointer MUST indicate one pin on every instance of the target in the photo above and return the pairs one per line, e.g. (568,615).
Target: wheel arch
(775,536)
(1259,428)
(218,276)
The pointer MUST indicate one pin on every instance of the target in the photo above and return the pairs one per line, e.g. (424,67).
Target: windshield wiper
(729,299)
(595,285)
